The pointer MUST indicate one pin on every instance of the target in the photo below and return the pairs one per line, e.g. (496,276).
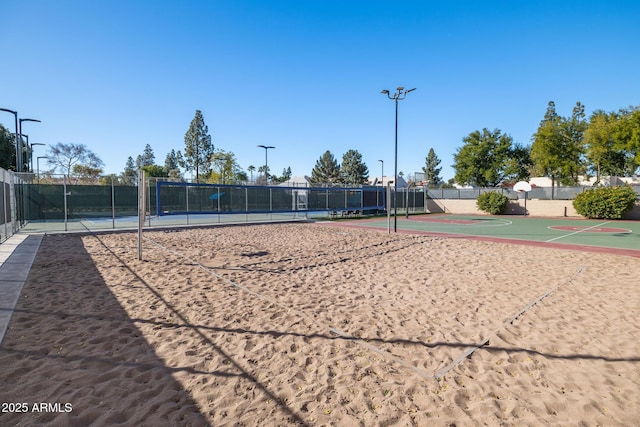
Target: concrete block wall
(542,208)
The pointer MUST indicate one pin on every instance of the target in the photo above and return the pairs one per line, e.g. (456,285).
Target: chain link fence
(58,203)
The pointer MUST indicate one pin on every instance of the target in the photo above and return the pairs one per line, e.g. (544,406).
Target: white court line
(499,223)
(576,232)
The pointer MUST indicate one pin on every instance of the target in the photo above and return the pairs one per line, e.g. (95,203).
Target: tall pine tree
(198,151)
(431,169)
(326,170)
(353,171)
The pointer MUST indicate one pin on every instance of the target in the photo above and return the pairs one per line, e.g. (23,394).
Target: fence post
(141,209)
(4,204)
(326,197)
(64,189)
(406,204)
(186,193)
(113,205)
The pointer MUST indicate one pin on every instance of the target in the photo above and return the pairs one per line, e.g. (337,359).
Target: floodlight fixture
(398,96)
(266,162)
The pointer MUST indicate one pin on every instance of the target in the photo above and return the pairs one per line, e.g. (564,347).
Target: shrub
(605,202)
(492,202)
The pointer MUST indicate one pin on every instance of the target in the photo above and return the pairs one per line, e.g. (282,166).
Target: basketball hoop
(523,187)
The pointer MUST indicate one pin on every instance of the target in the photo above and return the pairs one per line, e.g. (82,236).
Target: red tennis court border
(553,245)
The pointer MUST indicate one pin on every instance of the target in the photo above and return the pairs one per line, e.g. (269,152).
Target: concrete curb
(16,257)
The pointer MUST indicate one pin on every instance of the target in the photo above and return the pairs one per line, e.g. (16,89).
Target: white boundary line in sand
(576,232)
(442,372)
(335,331)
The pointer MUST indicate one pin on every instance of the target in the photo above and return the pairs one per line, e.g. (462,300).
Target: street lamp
(266,163)
(398,96)
(18,148)
(31,151)
(20,160)
(38,163)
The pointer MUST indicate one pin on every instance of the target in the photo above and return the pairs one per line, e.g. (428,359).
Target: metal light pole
(21,161)
(31,151)
(398,96)
(15,114)
(38,164)
(266,163)
(21,144)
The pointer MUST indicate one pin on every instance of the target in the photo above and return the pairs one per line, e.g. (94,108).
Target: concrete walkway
(16,256)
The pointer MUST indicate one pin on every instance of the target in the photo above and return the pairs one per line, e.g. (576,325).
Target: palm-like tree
(251,168)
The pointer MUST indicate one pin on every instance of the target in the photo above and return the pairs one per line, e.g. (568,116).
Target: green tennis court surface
(621,237)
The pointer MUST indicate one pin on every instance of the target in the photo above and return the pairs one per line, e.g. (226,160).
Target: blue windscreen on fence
(184,197)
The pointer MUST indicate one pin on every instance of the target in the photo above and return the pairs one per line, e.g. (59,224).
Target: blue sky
(306,76)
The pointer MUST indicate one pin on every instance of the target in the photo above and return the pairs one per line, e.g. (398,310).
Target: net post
(113,205)
(141,209)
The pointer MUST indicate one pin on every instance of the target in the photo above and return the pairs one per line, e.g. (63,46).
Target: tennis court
(606,236)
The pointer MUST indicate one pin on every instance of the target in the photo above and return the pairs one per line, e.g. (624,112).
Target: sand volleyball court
(303,324)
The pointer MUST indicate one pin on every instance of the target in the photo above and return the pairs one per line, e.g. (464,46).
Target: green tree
(573,129)
(286,174)
(172,165)
(130,174)
(154,171)
(263,174)
(198,152)
(486,159)
(66,156)
(225,167)
(86,172)
(326,170)
(601,151)
(7,149)
(353,171)
(519,163)
(627,138)
(558,146)
(546,148)
(112,177)
(251,168)
(431,169)
(146,158)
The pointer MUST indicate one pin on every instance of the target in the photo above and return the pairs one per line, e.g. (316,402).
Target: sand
(309,324)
